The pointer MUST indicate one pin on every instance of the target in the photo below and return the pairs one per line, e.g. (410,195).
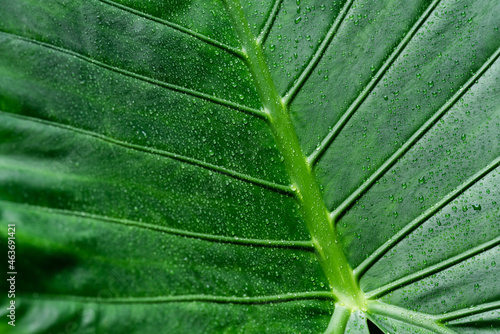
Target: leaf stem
(324,235)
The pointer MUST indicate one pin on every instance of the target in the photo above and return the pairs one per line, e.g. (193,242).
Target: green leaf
(257,167)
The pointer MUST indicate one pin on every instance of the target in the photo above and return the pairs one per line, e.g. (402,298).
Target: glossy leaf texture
(195,166)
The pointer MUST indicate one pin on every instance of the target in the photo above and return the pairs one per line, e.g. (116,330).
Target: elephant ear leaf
(250,166)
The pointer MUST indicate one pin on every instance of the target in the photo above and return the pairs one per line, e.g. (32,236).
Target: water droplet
(476,207)
(298,19)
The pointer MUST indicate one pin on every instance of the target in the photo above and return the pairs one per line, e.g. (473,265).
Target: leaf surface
(255,167)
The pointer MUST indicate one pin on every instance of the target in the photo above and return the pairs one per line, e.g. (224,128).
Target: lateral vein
(169,86)
(292,92)
(269,22)
(419,319)
(177,27)
(286,244)
(330,137)
(454,315)
(404,281)
(285,189)
(272,299)
(384,248)
(346,204)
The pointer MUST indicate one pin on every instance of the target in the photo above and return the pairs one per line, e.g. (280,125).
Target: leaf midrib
(317,217)
(278,110)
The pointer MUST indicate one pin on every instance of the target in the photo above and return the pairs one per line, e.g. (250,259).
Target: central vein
(322,229)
